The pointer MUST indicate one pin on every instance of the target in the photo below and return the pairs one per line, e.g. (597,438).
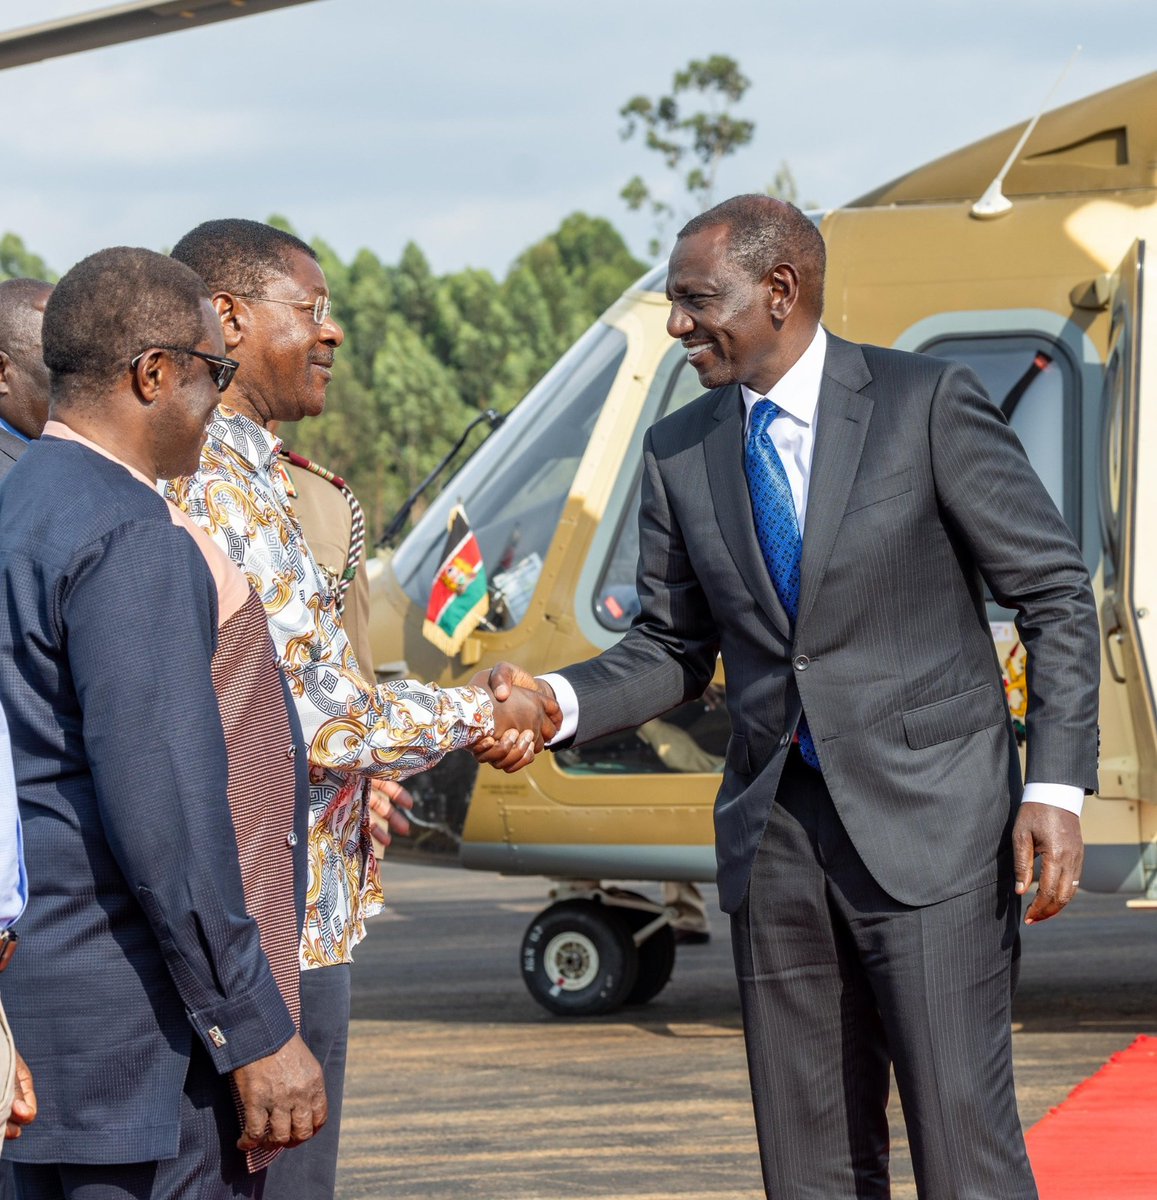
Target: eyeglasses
(226,368)
(320,307)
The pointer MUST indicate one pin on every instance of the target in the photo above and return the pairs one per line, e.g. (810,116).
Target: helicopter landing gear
(595,952)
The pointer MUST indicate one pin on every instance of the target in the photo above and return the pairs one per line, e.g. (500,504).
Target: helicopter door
(1128,505)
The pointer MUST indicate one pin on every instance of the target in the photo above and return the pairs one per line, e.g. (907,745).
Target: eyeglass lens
(223,374)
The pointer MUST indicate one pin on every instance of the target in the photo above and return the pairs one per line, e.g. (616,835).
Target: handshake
(526,716)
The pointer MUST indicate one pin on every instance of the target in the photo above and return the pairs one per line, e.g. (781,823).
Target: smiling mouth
(696,350)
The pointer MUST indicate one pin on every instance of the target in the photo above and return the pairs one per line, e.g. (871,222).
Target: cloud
(474,129)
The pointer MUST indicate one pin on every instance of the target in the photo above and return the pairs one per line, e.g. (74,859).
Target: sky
(472,129)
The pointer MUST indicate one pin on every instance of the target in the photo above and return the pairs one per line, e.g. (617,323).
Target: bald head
(763,232)
(24,379)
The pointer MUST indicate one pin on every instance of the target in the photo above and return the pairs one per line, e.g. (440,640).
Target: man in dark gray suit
(826,517)
(24,380)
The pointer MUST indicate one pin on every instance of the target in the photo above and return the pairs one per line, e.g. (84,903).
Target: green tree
(702,138)
(578,270)
(18,262)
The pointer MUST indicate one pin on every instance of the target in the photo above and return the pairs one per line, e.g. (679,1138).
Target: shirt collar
(248,440)
(798,392)
(66,433)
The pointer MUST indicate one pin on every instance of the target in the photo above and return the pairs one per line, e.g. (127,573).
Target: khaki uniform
(326,521)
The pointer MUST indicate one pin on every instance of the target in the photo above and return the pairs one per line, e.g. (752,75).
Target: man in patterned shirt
(273,301)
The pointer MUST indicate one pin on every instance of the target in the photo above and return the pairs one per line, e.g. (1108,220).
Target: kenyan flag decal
(458,600)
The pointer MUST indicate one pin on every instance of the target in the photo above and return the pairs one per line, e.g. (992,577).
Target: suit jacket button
(801,662)
(291,839)
(291,751)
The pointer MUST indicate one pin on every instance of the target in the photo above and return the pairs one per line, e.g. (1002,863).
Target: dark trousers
(208,1165)
(309,1171)
(838,980)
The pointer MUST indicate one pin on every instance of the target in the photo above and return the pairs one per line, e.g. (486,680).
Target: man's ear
(782,283)
(152,375)
(233,317)
(5,368)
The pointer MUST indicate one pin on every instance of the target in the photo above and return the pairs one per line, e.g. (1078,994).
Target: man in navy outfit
(143,991)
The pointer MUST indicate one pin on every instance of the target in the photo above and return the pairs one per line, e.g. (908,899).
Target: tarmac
(460,1087)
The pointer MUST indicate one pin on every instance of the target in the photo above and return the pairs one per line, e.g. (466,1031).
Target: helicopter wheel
(578,959)
(656,954)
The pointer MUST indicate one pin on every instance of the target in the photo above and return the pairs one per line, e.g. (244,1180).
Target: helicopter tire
(578,959)
(656,955)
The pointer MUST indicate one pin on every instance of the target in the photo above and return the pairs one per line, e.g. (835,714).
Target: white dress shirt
(793,433)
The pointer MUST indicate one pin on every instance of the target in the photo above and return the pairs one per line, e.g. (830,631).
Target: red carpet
(1101,1143)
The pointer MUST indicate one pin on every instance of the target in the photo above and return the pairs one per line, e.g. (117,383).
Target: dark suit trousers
(837,982)
(208,1165)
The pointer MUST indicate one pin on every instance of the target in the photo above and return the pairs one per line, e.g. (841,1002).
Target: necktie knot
(763,412)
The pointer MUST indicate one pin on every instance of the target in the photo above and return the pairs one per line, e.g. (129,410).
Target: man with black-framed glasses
(149,992)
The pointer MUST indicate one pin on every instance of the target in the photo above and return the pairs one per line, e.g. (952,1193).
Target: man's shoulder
(63,504)
(82,489)
(316,492)
(888,365)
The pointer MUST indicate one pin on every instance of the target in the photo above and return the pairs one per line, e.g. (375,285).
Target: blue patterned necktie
(777,528)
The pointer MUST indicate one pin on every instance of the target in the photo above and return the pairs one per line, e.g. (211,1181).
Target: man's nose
(679,324)
(331,333)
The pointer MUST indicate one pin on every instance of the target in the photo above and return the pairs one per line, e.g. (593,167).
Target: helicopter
(1022,256)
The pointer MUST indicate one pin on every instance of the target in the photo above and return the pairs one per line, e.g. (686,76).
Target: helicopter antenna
(994,203)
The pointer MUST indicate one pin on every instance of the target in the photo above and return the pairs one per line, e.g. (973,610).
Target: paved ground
(462,1088)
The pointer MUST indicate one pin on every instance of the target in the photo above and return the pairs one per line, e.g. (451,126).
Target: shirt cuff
(568,702)
(245,1028)
(1059,795)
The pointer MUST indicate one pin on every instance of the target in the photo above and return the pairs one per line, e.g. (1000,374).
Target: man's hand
(515,743)
(283,1096)
(505,676)
(387,799)
(24,1103)
(1055,834)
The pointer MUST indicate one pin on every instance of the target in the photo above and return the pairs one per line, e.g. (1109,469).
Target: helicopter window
(1034,381)
(655,280)
(693,737)
(515,486)
(616,600)
(689,740)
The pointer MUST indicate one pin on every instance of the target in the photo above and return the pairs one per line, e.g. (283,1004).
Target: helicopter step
(597,950)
